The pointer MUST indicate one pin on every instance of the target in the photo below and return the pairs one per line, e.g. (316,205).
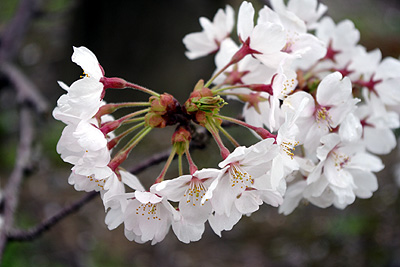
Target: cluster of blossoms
(321,106)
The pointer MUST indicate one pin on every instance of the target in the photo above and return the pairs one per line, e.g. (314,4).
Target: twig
(12,36)
(34,232)
(11,191)
(27,92)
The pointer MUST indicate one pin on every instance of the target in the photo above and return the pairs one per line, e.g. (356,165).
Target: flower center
(322,116)
(239,177)
(341,160)
(148,211)
(288,147)
(195,192)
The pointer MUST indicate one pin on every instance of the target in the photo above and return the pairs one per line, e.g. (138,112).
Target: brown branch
(14,33)
(27,92)
(36,231)
(11,191)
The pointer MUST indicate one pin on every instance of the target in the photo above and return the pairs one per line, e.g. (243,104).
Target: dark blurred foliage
(141,41)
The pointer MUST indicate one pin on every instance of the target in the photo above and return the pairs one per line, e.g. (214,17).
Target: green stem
(141,88)
(134,120)
(227,135)
(210,126)
(160,178)
(112,143)
(217,74)
(217,91)
(124,152)
(263,133)
(180,164)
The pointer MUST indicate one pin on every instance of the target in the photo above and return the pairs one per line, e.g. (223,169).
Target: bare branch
(11,191)
(36,231)
(13,35)
(27,92)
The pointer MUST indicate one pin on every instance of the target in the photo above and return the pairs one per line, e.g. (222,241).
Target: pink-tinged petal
(131,180)
(268,38)
(338,113)
(366,162)
(271,197)
(194,212)
(87,61)
(63,85)
(146,197)
(335,174)
(379,140)
(245,23)
(389,68)
(223,222)
(329,142)
(186,232)
(114,218)
(343,196)
(296,101)
(173,189)
(89,137)
(334,90)
(350,129)
(198,45)
(293,196)
(366,183)
(248,202)
(388,91)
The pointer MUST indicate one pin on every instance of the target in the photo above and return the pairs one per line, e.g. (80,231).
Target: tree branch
(11,191)
(27,92)
(12,36)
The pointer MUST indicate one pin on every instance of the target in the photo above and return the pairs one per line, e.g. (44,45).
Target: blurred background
(141,41)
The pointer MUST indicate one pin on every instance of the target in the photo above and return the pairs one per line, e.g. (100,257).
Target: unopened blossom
(208,41)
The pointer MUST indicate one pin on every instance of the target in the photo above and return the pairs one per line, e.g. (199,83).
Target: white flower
(148,217)
(378,124)
(247,71)
(264,40)
(310,11)
(333,103)
(208,41)
(88,62)
(189,190)
(344,171)
(115,199)
(82,101)
(305,49)
(241,168)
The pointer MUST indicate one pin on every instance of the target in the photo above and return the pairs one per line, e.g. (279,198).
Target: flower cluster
(321,106)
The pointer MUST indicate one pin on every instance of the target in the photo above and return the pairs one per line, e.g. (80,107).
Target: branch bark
(11,191)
